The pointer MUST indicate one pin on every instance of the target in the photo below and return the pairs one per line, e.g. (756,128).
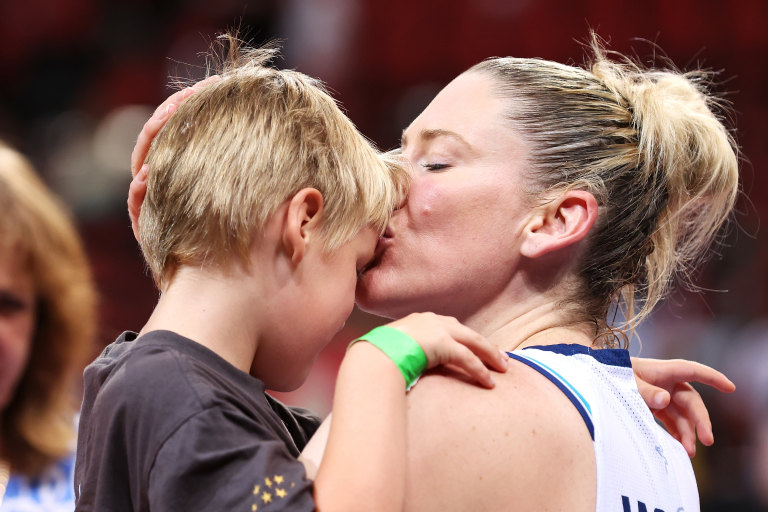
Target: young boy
(263,204)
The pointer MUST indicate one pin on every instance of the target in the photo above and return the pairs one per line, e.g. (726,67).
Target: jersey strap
(612,357)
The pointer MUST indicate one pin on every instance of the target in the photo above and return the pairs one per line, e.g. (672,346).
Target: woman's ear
(301,223)
(561,223)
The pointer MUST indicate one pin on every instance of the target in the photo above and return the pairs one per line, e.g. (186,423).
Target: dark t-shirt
(167,425)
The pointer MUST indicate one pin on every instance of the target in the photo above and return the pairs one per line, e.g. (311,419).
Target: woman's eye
(435,166)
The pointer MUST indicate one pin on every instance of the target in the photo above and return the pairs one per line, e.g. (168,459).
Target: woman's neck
(525,325)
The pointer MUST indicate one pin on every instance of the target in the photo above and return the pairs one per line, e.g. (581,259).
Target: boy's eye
(435,166)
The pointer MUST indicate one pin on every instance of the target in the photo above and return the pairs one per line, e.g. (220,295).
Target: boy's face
(321,305)
(337,279)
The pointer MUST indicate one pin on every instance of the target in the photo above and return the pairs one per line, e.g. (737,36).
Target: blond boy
(263,204)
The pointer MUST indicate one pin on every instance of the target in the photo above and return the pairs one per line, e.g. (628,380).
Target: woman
(47,320)
(543,195)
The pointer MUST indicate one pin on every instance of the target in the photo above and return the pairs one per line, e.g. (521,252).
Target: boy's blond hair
(237,149)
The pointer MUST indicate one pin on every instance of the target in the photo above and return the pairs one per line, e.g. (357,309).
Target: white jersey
(640,467)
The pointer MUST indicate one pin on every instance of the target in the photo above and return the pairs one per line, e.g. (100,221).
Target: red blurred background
(79,77)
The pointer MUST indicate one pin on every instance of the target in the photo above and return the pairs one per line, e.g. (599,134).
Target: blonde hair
(38,423)
(235,150)
(651,146)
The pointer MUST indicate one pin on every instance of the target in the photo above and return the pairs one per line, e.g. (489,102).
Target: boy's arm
(364,464)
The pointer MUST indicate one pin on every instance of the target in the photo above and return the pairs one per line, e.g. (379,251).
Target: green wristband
(403,350)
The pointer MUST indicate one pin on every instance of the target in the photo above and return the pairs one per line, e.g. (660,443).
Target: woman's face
(453,247)
(17,321)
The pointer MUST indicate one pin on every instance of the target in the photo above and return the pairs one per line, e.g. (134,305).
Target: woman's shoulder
(521,439)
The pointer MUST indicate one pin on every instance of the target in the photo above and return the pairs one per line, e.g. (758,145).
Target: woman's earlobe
(560,224)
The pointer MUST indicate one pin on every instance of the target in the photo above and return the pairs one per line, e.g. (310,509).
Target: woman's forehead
(466,107)
(470,115)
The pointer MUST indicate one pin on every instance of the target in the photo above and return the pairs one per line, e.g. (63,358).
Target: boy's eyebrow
(430,134)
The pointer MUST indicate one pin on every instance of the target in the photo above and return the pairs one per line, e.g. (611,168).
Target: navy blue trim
(609,356)
(567,392)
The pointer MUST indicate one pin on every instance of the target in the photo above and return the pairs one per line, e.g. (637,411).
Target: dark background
(79,77)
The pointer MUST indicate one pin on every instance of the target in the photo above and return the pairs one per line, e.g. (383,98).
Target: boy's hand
(445,341)
(664,385)
(149,131)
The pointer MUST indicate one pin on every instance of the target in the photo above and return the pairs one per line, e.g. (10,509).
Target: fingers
(686,417)
(690,404)
(679,428)
(666,373)
(463,358)
(152,127)
(697,372)
(158,120)
(654,396)
(136,194)
(478,346)
(445,341)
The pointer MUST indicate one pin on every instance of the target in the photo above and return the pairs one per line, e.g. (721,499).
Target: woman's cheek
(426,200)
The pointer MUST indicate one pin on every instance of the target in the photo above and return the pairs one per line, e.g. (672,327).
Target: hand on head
(154,124)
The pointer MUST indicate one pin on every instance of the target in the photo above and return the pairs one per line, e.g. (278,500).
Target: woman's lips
(383,243)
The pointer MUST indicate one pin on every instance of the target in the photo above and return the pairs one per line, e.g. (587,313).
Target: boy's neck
(214,309)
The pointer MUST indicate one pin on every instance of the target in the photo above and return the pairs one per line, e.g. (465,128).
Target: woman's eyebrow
(430,134)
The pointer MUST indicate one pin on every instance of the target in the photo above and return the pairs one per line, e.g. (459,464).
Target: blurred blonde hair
(38,423)
(238,148)
(651,146)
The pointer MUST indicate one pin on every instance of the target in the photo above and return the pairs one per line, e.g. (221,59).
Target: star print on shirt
(274,488)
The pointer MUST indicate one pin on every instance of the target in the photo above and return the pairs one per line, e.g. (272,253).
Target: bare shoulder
(520,446)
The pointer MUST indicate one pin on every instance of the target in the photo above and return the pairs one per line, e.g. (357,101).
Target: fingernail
(144,171)
(187,92)
(170,109)
(659,399)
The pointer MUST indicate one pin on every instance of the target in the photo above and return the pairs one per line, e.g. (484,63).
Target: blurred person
(47,321)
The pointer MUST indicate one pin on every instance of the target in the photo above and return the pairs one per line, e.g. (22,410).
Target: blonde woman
(47,320)
(543,196)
